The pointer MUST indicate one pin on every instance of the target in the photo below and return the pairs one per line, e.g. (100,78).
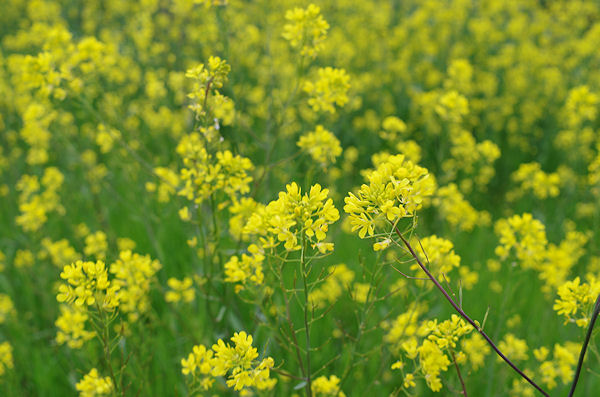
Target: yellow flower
(180,290)
(321,145)
(237,362)
(306,29)
(329,89)
(323,386)
(6,357)
(87,283)
(397,188)
(93,385)
(248,270)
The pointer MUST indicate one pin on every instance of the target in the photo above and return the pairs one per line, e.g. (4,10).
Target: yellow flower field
(299,198)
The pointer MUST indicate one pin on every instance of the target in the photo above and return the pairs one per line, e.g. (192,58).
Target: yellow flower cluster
(6,357)
(7,308)
(471,161)
(37,119)
(306,29)
(457,211)
(322,146)
(594,175)
(452,106)
(93,385)
(59,252)
(442,343)
(575,300)
(438,255)
(71,327)
(397,188)
(35,204)
(447,333)
(88,289)
(204,174)
(241,210)
(24,258)
(513,347)
(476,349)
(561,365)
(532,179)
(581,106)
(393,129)
(331,88)
(295,216)
(238,363)
(106,137)
(207,102)
(180,290)
(402,332)
(561,258)
(63,67)
(166,187)
(96,245)
(133,276)
(245,271)
(324,386)
(526,236)
(87,285)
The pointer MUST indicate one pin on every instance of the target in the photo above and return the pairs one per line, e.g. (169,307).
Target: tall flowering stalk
(397,188)
(295,222)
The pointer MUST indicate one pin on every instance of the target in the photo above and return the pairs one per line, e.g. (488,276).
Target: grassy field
(223,197)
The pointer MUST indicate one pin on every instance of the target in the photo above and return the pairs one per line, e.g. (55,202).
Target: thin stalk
(465,316)
(369,304)
(462,382)
(105,339)
(290,324)
(308,386)
(585,345)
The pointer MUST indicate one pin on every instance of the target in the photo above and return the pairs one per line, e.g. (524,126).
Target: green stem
(308,386)
(105,339)
(585,344)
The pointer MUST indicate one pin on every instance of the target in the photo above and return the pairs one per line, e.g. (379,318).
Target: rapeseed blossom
(93,385)
(71,327)
(324,386)
(321,145)
(575,300)
(180,290)
(204,174)
(397,189)
(306,29)
(87,284)
(294,216)
(94,111)
(245,270)
(238,363)
(329,89)
(205,95)
(439,256)
(134,275)
(523,234)
(6,357)
(531,178)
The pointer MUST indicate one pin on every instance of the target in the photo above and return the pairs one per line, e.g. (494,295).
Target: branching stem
(464,315)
